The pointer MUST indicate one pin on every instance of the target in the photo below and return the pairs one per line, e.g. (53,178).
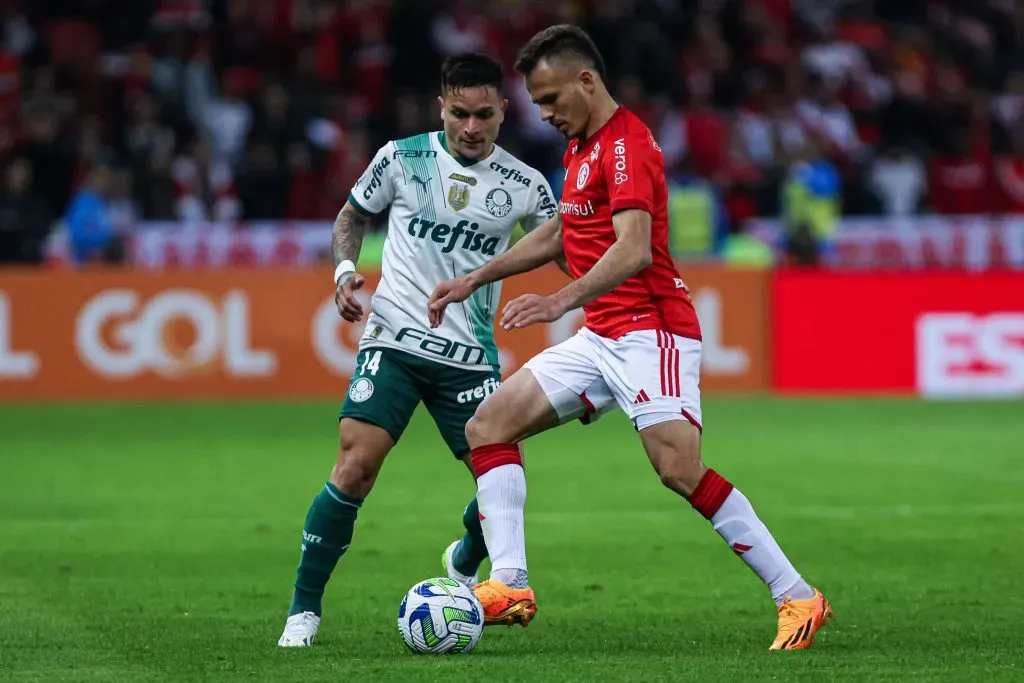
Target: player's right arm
(539,247)
(346,242)
(371,195)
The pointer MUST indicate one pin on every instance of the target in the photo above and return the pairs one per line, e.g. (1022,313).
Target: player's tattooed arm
(347,235)
(346,242)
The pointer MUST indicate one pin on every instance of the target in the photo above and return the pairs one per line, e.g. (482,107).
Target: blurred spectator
(812,195)
(960,179)
(204,188)
(52,158)
(898,181)
(262,184)
(1009,175)
(460,27)
(274,121)
(24,218)
(148,148)
(698,225)
(226,119)
(831,61)
(90,222)
(822,112)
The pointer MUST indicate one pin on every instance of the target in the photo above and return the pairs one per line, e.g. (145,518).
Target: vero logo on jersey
(463,234)
(620,161)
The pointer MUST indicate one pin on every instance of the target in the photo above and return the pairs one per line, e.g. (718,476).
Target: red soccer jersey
(621,167)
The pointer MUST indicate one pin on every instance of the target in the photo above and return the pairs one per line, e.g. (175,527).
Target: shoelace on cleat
(299,625)
(791,616)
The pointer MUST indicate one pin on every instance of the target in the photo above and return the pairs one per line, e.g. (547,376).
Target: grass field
(142,543)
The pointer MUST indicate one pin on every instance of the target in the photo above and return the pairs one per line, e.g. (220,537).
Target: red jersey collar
(585,144)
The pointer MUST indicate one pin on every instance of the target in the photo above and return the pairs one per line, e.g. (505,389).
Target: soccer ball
(440,616)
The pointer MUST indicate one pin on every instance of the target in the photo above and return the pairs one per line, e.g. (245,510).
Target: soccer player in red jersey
(640,347)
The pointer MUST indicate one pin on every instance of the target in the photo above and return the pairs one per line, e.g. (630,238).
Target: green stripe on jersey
(481,317)
(421,172)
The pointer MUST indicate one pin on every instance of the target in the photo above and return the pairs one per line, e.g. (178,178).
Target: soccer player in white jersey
(455,199)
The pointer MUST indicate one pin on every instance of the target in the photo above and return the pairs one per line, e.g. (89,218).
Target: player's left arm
(630,168)
(630,254)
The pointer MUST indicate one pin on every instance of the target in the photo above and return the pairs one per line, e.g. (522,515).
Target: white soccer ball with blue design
(440,616)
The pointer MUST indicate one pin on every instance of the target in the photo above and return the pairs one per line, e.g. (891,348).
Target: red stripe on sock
(486,458)
(710,493)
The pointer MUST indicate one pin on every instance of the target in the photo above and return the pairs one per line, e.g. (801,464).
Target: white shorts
(653,376)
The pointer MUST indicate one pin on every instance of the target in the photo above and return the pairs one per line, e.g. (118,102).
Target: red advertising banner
(937,335)
(130,334)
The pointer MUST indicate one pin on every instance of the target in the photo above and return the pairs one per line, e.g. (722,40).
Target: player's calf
(673,447)
(330,522)
(518,409)
(362,448)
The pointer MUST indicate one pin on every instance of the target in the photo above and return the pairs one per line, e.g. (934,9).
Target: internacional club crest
(499,203)
(581,177)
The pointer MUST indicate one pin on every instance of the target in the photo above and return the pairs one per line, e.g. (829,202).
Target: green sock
(472,550)
(325,538)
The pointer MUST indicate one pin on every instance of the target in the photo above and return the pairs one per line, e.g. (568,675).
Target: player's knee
(354,476)
(675,458)
(482,429)
(682,483)
(357,467)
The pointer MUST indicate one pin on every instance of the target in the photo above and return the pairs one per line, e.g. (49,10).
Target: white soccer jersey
(448,218)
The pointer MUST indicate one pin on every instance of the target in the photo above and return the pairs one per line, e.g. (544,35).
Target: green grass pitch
(159,543)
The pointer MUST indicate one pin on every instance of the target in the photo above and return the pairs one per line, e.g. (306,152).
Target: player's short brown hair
(470,69)
(562,41)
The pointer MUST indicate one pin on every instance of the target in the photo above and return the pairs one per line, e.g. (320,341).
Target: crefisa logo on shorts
(361,390)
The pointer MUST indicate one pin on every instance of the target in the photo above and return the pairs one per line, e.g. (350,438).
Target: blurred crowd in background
(118,111)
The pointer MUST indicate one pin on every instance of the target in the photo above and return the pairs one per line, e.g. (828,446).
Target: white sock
(749,538)
(501,495)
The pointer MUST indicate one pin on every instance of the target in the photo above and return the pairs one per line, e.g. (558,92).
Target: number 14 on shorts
(371,363)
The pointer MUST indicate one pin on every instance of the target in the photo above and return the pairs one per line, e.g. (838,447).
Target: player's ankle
(513,578)
(801,590)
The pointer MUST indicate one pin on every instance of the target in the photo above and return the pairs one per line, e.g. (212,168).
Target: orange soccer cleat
(799,620)
(504,605)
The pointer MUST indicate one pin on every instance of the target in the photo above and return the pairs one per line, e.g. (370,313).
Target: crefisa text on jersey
(510,173)
(442,232)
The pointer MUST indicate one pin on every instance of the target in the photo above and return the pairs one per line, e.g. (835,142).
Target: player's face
(472,117)
(563,91)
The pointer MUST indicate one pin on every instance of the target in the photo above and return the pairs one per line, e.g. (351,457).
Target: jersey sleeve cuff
(626,204)
(359,207)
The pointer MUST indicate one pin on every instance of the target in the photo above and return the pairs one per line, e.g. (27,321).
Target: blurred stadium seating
(228,111)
